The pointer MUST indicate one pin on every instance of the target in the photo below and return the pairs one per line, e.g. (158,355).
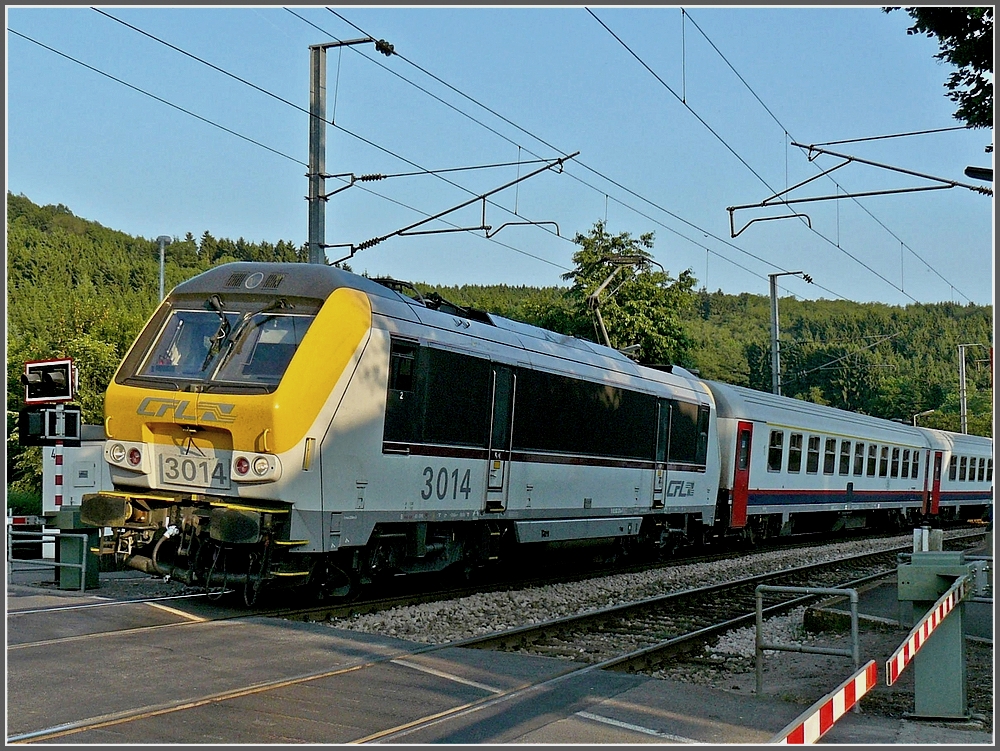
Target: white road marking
(637,728)
(447,676)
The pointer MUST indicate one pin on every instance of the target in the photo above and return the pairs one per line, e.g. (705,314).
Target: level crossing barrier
(814,723)
(922,631)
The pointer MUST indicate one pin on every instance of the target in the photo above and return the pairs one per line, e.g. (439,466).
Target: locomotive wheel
(335,583)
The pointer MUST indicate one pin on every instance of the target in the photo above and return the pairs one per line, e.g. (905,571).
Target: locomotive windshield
(217,346)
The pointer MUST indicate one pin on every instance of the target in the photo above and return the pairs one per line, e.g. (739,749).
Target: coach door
(663,415)
(936,483)
(741,475)
(502,419)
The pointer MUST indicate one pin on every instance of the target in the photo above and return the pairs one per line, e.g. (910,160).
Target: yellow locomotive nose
(256,415)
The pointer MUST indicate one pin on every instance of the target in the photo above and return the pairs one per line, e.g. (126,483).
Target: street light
(317,140)
(775,357)
(164,241)
(922,414)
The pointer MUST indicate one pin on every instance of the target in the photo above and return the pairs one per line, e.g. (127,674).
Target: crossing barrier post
(936,582)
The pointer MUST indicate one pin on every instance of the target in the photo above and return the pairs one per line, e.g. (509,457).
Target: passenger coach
(790,466)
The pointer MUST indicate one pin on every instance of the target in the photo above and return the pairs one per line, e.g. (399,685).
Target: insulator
(369,243)
(375,176)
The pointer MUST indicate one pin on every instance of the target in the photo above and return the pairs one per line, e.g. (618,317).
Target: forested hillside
(77,289)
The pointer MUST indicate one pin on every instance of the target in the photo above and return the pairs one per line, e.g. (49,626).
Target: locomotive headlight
(133,457)
(117,453)
(256,468)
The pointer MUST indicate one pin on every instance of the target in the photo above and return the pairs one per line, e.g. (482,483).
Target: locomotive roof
(318,281)
(292,279)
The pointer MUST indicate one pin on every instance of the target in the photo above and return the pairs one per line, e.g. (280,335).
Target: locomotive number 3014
(442,482)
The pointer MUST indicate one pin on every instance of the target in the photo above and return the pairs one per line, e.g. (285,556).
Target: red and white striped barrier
(59,472)
(814,723)
(902,657)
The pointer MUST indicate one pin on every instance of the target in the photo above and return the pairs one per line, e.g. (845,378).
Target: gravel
(453,620)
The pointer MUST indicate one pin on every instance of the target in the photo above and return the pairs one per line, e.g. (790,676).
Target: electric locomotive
(294,423)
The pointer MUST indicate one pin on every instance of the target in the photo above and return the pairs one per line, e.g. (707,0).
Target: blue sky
(666,153)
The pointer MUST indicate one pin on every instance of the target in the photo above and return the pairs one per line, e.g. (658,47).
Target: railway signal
(47,420)
(49,381)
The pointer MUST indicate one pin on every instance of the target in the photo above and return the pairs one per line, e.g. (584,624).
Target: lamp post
(164,241)
(922,414)
(775,356)
(317,141)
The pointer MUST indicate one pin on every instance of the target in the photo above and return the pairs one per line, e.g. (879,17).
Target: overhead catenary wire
(157,98)
(555,148)
(830,143)
(422,170)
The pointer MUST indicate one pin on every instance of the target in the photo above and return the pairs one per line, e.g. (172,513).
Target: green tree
(640,307)
(965,38)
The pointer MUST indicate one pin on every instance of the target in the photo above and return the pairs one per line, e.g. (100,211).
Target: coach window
(962,462)
(953,468)
(989,470)
(883,465)
(982,469)
(894,469)
(915,472)
(905,471)
(872,459)
(830,456)
(812,459)
(775,450)
(845,457)
(795,452)
(859,459)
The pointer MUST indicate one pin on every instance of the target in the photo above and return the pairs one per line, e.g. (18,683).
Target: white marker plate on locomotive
(196,467)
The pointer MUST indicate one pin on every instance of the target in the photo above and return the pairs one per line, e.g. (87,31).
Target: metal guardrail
(42,537)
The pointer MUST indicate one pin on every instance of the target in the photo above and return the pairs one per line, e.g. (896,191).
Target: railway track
(635,636)
(520,581)
(642,635)
(192,610)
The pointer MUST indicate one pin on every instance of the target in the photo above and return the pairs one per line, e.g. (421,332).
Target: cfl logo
(680,489)
(153,406)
